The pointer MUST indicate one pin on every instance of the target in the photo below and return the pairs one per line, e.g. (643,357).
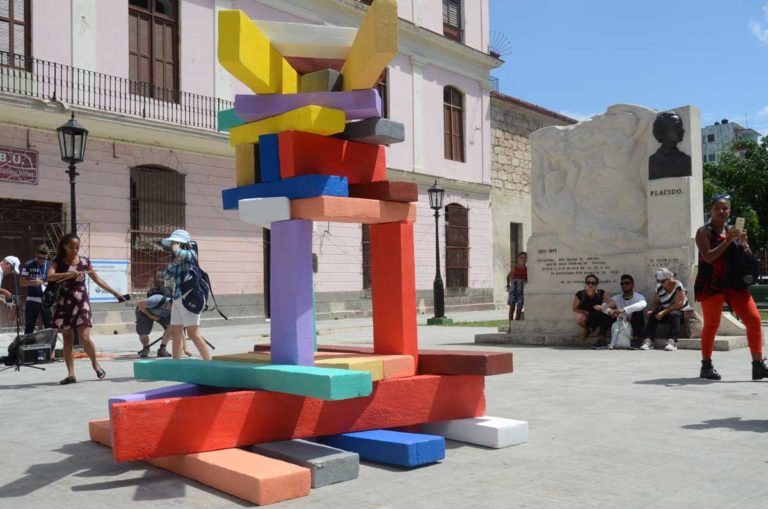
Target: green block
(310,381)
(227,120)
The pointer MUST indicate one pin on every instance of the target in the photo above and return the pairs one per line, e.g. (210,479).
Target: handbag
(621,334)
(742,269)
(50,295)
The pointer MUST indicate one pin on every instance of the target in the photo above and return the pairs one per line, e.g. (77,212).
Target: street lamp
(72,140)
(436,203)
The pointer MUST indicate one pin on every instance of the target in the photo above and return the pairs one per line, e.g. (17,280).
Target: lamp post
(72,140)
(436,203)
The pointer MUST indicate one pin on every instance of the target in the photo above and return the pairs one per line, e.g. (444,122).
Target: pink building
(142,76)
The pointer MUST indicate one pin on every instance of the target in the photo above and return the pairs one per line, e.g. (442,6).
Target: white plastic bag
(621,333)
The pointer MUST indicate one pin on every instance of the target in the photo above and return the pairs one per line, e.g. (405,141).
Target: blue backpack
(195,287)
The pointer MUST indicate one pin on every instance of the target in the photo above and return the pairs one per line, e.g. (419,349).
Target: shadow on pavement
(734,423)
(679,382)
(119,379)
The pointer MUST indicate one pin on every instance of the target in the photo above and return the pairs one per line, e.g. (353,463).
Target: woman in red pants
(712,289)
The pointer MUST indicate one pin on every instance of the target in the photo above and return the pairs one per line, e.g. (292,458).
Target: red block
(386,191)
(306,154)
(164,427)
(393,289)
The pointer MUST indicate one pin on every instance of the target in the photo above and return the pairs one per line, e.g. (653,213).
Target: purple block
(357,104)
(290,293)
(172,391)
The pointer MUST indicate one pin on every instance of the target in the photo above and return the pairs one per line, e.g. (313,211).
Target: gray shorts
(144,323)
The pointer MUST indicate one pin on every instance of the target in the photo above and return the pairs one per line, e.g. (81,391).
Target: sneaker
(671,345)
(600,344)
(759,370)
(144,352)
(647,344)
(708,371)
(162,352)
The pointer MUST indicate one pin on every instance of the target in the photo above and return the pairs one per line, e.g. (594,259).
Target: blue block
(269,157)
(390,447)
(306,186)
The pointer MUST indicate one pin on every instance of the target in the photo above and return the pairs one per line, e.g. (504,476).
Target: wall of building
(511,126)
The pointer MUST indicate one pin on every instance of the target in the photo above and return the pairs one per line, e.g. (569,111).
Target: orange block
(164,427)
(238,472)
(308,154)
(393,288)
(352,210)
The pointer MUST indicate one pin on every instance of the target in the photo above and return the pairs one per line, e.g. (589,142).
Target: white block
(306,40)
(495,432)
(264,211)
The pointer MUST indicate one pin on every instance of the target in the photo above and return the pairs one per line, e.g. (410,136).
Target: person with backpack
(588,311)
(155,308)
(186,276)
(716,283)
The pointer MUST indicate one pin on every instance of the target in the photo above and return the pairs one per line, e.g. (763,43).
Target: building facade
(512,122)
(142,76)
(720,135)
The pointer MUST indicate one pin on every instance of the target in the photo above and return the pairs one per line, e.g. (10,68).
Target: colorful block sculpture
(298,160)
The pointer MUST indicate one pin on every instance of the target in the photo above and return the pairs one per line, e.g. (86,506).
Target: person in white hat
(669,303)
(9,264)
(181,318)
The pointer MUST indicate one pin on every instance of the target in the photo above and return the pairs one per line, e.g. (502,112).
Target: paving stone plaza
(607,429)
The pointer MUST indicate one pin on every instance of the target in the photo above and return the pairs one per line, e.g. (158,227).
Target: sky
(577,57)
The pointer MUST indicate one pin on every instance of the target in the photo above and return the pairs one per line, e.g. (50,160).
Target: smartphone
(739,224)
(125,297)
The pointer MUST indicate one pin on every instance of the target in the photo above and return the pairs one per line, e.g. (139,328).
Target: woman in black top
(587,309)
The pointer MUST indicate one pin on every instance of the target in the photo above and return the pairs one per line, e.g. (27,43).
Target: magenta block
(292,317)
(357,104)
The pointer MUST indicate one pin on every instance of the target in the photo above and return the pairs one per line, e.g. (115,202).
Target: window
(381,86)
(366,245)
(452,20)
(710,138)
(158,207)
(153,48)
(15,39)
(456,246)
(453,124)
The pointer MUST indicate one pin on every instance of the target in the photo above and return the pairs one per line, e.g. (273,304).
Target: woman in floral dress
(72,307)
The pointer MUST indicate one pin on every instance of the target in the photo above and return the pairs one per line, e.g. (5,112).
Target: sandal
(68,380)
(101,373)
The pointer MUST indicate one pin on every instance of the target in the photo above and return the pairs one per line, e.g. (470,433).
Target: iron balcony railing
(33,77)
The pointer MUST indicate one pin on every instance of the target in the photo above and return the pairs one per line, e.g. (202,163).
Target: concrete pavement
(607,429)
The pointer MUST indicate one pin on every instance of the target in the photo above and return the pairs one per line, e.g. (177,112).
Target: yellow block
(245,164)
(376,43)
(373,366)
(309,119)
(248,55)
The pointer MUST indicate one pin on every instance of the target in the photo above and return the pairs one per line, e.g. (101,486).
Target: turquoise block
(227,119)
(310,381)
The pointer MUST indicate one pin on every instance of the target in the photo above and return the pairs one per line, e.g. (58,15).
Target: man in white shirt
(632,304)
(7,265)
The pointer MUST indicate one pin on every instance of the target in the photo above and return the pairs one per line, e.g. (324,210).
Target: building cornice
(513,101)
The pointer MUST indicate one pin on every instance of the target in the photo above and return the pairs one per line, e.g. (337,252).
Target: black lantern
(436,203)
(72,140)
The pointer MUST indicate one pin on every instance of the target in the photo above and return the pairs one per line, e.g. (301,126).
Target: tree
(742,172)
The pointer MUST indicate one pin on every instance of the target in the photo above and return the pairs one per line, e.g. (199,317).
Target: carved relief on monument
(588,181)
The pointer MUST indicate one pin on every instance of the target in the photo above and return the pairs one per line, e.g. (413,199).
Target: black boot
(708,371)
(759,370)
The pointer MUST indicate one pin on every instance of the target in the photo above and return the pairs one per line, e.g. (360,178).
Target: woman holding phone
(712,288)
(72,308)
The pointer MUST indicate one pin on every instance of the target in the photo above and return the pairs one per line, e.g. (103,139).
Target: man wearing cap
(7,265)
(181,318)
(34,277)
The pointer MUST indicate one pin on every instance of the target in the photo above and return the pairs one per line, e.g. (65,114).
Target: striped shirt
(666,298)
(175,272)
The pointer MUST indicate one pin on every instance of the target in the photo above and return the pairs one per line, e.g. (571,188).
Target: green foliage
(742,172)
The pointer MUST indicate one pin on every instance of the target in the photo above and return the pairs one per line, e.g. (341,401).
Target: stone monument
(596,210)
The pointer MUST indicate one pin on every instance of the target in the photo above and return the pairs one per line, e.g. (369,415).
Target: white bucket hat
(180,236)
(14,262)
(664,273)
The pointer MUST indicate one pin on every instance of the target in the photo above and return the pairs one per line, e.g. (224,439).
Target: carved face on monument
(668,127)
(669,161)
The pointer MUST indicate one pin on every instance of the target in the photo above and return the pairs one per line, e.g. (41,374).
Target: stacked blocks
(311,148)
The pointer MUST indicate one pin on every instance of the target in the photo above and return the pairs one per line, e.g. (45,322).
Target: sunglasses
(662,281)
(591,283)
(626,283)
